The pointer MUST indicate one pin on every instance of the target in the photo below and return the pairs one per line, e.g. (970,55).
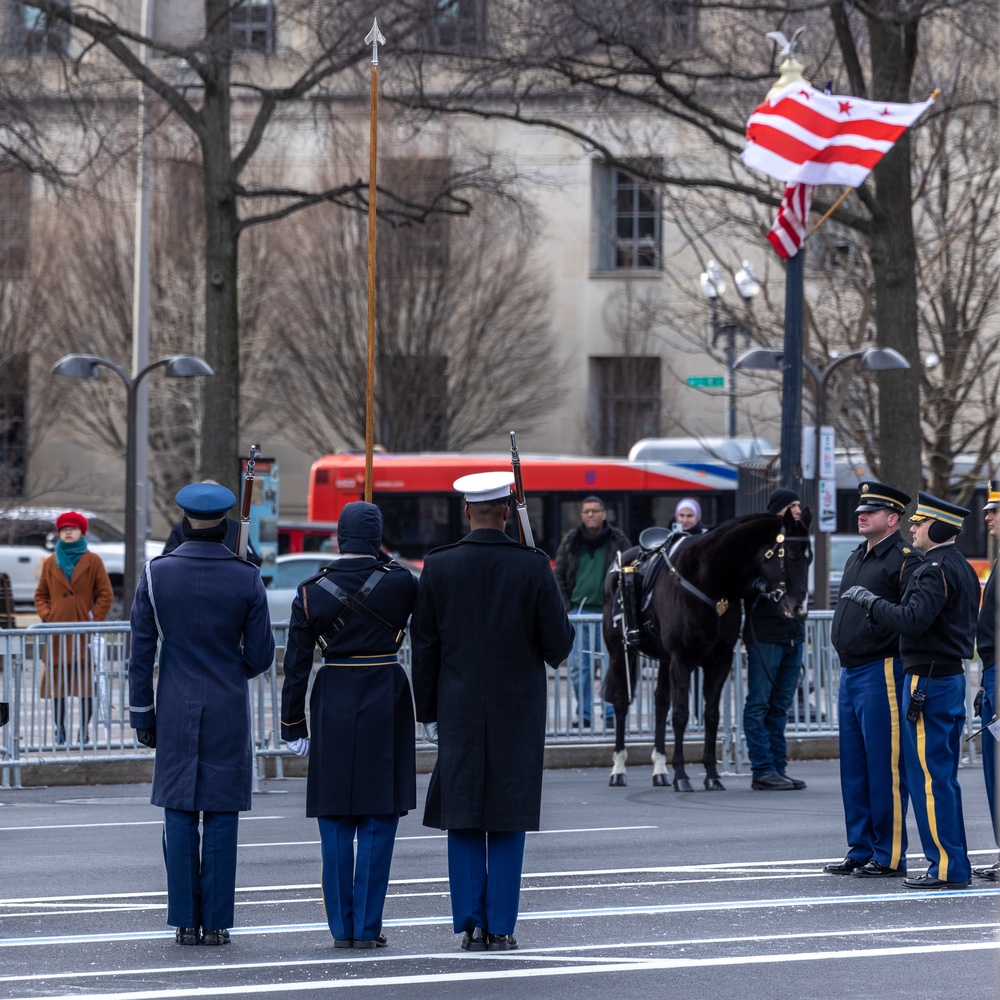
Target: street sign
(706,381)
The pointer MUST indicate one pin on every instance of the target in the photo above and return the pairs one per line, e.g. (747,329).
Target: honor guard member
(872,782)
(489,616)
(362,751)
(936,622)
(986,643)
(208,609)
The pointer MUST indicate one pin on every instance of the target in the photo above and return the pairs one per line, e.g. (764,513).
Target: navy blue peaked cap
(205,501)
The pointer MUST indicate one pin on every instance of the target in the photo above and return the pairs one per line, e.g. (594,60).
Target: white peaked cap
(482,486)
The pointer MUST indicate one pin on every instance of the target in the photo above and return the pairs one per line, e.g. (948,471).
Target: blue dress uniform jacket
(362,755)
(936,618)
(885,571)
(489,616)
(212,610)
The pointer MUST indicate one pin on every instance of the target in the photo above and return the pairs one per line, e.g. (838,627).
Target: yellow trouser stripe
(929,789)
(895,759)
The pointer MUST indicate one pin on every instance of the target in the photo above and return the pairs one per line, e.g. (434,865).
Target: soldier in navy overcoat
(208,609)
(489,616)
(362,751)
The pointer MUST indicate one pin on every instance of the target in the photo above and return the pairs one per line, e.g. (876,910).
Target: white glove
(431,732)
(299,747)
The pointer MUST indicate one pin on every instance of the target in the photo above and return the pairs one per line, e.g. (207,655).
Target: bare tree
(463,332)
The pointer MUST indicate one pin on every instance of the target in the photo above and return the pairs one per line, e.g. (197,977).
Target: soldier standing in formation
(936,622)
(362,753)
(872,781)
(986,647)
(488,617)
(208,609)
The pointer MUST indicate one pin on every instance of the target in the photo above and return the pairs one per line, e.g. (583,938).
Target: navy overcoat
(212,611)
(362,753)
(488,617)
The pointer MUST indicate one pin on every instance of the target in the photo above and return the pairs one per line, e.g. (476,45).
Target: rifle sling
(355,606)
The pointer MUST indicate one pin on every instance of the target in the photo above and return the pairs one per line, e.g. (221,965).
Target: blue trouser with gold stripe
(872,782)
(932,747)
(991,748)
(484,874)
(354,888)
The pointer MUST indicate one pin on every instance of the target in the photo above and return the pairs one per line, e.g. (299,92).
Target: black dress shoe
(875,869)
(926,881)
(186,935)
(474,940)
(991,873)
(772,782)
(343,942)
(797,783)
(215,937)
(379,942)
(501,942)
(845,867)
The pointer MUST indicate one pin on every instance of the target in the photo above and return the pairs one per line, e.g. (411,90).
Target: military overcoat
(489,616)
(362,753)
(212,610)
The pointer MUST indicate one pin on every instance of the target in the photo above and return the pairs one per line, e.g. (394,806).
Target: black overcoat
(362,754)
(489,616)
(212,610)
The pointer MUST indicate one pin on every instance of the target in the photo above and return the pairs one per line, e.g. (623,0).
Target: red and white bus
(421,510)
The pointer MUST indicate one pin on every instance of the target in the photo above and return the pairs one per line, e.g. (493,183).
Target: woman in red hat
(74,587)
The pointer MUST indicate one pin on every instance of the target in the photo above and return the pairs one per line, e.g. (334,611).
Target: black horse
(693,619)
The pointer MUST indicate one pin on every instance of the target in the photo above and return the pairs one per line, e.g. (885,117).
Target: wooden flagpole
(373,38)
(935,94)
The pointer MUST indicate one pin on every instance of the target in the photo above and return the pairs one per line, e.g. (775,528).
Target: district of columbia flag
(789,229)
(802,136)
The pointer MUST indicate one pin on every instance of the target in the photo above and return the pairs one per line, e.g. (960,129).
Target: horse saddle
(636,589)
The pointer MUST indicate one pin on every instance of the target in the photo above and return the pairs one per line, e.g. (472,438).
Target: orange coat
(60,600)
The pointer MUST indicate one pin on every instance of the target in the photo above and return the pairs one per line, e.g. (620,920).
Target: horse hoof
(659,781)
(617,781)
(714,785)
(682,785)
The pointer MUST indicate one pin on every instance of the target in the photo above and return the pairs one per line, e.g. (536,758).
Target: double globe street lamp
(872,359)
(713,287)
(88,366)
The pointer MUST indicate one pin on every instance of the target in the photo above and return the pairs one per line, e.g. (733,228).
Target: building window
(419,182)
(37,34)
(629,219)
(624,402)
(457,25)
(15,221)
(251,26)
(13,426)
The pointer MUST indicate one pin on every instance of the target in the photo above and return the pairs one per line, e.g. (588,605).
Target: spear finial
(374,38)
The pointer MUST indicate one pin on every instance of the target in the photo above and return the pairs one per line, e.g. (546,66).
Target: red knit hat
(71,519)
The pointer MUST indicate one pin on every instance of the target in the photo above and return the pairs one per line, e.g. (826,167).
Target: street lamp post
(88,366)
(713,286)
(870,359)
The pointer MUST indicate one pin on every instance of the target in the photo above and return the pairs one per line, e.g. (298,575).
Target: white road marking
(92,826)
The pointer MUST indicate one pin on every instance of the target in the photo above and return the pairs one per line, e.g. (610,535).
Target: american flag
(805,137)
(789,229)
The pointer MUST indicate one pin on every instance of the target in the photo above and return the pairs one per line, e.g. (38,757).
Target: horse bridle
(778,549)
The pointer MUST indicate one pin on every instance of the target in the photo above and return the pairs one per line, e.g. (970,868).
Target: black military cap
(929,506)
(993,500)
(877,496)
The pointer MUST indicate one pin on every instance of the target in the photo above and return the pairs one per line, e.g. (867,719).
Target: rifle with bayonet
(520,504)
(243,538)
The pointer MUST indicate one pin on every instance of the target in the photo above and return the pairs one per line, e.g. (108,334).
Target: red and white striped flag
(789,229)
(801,135)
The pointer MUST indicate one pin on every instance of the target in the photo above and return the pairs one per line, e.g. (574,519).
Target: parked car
(289,571)
(28,535)
(841,546)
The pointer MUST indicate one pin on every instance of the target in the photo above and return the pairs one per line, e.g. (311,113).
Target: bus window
(412,525)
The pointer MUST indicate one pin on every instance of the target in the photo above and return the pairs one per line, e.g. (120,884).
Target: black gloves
(860,595)
(977,704)
(147,737)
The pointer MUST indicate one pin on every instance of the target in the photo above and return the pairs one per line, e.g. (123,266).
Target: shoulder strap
(355,605)
(149,589)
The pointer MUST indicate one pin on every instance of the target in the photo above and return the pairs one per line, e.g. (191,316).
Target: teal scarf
(68,555)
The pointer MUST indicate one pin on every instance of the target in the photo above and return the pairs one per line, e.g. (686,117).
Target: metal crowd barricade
(100,670)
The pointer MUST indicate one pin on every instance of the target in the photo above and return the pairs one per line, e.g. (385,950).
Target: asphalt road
(628,893)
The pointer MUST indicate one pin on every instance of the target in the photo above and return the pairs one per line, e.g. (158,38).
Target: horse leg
(714,681)
(616,692)
(679,688)
(662,703)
